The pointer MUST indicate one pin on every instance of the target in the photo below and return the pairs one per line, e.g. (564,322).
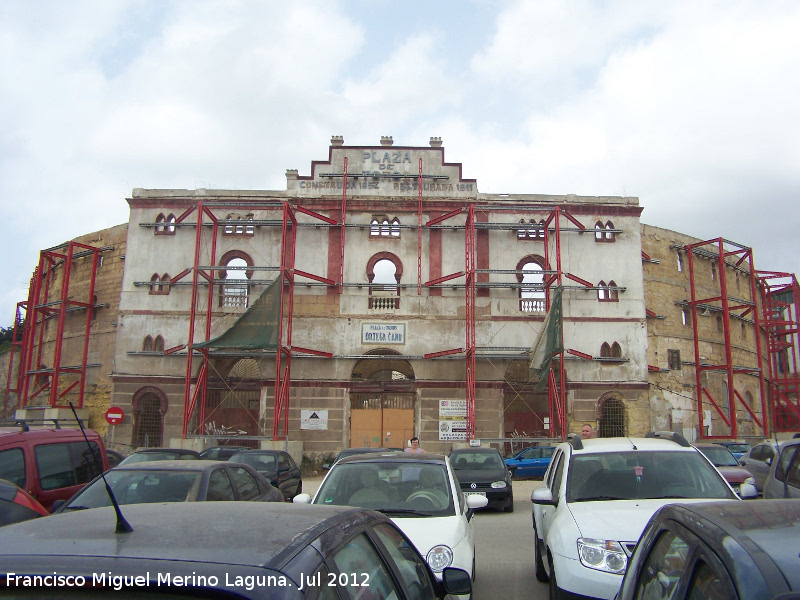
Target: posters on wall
(314,419)
(452,420)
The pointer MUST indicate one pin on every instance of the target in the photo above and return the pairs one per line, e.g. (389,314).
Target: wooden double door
(381,419)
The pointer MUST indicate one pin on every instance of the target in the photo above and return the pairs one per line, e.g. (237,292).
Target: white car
(419,492)
(599,494)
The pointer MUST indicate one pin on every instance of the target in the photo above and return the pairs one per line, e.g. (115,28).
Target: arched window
(616,350)
(610,235)
(147,346)
(680,262)
(165,285)
(530,230)
(532,296)
(599,231)
(395,227)
(522,232)
(160,224)
(375,227)
(613,292)
(155,284)
(605,350)
(235,291)
(158,344)
(381,226)
(171,220)
(384,271)
(249,227)
(713,271)
(604,232)
(602,291)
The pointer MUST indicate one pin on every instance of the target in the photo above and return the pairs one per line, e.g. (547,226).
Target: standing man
(414,446)
(587,432)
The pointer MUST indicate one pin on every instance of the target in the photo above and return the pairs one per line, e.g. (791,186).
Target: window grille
(612,419)
(148,426)
(674,359)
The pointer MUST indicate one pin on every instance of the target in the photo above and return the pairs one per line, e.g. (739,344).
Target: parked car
(745,550)
(759,461)
(531,462)
(482,471)
(222,452)
(241,550)
(50,464)
(277,466)
(783,479)
(175,481)
(353,452)
(17,505)
(731,470)
(738,449)
(419,492)
(114,458)
(597,497)
(154,454)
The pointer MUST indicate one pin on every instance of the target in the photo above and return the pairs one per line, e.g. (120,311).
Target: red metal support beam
(469,269)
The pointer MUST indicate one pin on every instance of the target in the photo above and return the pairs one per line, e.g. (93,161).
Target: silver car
(783,480)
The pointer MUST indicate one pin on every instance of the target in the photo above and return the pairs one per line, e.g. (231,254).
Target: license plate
(474,493)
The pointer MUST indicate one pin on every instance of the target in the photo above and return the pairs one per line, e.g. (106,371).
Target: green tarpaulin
(256,329)
(548,343)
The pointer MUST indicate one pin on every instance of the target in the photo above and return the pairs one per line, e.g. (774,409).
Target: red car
(726,464)
(16,505)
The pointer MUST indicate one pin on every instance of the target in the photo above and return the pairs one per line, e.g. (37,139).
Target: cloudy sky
(694,107)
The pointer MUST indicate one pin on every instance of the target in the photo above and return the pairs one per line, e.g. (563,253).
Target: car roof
(374,457)
(624,444)
(170,465)
(173,450)
(473,451)
(243,533)
(772,525)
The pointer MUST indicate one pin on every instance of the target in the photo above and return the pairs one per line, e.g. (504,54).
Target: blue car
(738,449)
(531,462)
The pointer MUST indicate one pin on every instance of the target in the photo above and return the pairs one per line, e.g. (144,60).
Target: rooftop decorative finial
(337,140)
(386,140)
(436,142)
(291,174)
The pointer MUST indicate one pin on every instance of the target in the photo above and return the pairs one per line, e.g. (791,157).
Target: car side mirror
(474,502)
(543,496)
(326,466)
(302,499)
(748,491)
(456,581)
(769,461)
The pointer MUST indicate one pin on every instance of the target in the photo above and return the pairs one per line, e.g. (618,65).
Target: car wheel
(554,593)
(541,574)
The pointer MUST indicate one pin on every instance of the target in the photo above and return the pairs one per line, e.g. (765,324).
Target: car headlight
(603,555)
(750,480)
(497,485)
(440,557)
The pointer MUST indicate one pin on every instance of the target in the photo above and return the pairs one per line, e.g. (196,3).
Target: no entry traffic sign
(114,415)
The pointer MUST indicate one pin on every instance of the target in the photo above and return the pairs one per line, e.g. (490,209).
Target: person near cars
(414,445)
(587,432)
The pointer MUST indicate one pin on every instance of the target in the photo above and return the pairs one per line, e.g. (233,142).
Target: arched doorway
(382,401)
(149,405)
(232,401)
(611,416)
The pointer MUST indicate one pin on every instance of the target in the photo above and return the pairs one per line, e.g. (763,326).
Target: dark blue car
(531,462)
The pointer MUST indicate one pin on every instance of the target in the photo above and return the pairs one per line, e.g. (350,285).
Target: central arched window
(532,296)
(236,288)
(384,272)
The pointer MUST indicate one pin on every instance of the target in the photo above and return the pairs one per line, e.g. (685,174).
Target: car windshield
(397,488)
(476,460)
(743,448)
(720,457)
(137,487)
(643,474)
(260,462)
